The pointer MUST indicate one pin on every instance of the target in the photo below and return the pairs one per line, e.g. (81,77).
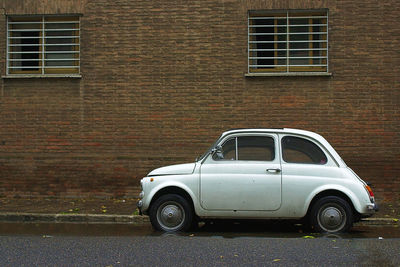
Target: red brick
(162,81)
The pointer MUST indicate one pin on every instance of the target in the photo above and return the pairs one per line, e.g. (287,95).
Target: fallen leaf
(308,236)
(395,220)
(276,259)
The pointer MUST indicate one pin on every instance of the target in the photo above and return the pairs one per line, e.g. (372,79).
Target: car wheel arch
(173,189)
(331,192)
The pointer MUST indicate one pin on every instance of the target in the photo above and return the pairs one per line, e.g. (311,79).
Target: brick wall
(162,79)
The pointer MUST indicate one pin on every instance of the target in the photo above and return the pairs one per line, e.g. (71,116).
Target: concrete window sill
(288,74)
(29,76)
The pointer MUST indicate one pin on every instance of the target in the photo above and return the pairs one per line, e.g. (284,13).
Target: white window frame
(284,66)
(43,68)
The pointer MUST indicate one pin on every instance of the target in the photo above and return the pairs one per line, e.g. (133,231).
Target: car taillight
(371,194)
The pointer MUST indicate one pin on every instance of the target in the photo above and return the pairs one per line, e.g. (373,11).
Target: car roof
(274,130)
(298,132)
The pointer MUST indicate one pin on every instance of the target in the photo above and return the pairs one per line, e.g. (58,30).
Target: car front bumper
(139,205)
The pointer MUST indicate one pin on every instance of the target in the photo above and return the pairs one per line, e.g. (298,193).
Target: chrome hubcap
(331,218)
(170,216)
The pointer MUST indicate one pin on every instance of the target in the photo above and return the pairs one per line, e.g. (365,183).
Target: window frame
(44,69)
(320,53)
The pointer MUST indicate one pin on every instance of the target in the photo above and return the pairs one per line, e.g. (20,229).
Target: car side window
(300,150)
(255,148)
(260,148)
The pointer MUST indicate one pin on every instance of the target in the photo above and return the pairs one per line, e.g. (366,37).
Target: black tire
(171,213)
(331,215)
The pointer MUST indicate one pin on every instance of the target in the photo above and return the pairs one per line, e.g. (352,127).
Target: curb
(379,221)
(73,218)
(127,219)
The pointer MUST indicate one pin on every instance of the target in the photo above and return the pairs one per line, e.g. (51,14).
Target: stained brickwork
(162,79)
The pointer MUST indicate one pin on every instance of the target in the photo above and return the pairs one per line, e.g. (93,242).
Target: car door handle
(274,170)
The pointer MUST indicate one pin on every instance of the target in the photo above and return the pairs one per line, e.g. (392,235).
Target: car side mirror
(218,152)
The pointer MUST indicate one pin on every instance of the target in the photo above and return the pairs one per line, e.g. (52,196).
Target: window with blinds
(43,45)
(287,41)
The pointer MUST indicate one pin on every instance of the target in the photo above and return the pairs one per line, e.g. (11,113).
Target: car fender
(354,200)
(166,184)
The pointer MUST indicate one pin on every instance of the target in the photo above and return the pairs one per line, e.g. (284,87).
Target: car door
(245,176)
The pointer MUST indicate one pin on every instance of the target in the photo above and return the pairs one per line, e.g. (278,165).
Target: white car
(259,174)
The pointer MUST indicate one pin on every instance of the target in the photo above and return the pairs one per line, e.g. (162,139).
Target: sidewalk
(80,210)
(118,211)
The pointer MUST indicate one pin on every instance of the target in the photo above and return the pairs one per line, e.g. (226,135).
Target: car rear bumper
(371,209)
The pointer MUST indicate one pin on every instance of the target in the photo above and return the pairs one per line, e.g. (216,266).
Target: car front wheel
(171,213)
(331,215)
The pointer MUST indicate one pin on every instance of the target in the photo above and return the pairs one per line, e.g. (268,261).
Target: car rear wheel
(171,213)
(331,215)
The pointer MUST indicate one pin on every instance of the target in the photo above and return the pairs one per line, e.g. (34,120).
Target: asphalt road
(126,245)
